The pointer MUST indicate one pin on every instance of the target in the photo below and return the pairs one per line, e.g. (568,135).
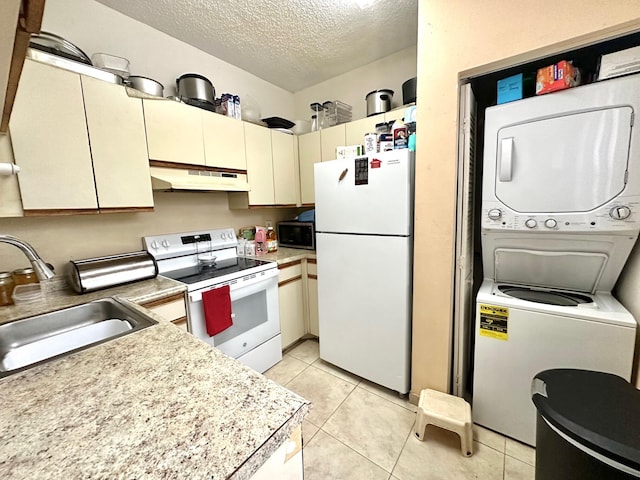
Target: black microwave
(297,235)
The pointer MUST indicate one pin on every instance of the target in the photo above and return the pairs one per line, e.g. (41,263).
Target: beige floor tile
(388,394)
(338,372)
(325,391)
(516,470)
(286,370)
(372,426)
(325,458)
(439,458)
(520,451)
(308,351)
(489,438)
(308,431)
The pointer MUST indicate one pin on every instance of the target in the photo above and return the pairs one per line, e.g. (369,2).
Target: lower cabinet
(312,297)
(291,302)
(286,461)
(172,309)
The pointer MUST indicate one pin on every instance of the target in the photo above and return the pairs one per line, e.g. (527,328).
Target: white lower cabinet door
(286,461)
(291,302)
(118,145)
(48,131)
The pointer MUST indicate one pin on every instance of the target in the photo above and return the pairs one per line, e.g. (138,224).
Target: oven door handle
(238,292)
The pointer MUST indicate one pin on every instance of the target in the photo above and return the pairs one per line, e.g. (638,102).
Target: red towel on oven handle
(217,310)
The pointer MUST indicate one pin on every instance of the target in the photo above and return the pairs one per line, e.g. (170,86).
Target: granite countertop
(158,403)
(285,255)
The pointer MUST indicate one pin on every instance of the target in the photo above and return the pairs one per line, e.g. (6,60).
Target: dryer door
(569,163)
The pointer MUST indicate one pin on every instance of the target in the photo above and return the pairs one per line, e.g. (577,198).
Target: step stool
(448,412)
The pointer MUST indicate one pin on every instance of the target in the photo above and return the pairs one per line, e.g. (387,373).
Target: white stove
(208,259)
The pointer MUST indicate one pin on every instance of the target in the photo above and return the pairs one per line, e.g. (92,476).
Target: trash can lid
(598,410)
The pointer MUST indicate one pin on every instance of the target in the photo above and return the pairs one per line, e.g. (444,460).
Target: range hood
(197,180)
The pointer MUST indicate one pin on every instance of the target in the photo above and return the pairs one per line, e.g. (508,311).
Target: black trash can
(588,426)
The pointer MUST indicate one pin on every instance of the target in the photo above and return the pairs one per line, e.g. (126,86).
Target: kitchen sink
(41,338)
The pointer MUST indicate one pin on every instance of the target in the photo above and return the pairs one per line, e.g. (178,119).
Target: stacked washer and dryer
(560,215)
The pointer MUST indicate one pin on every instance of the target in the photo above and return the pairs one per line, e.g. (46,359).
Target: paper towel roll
(8,169)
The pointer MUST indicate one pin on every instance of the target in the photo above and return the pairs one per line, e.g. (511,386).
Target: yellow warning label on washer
(494,322)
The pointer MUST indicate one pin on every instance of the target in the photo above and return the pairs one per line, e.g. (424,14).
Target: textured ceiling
(291,43)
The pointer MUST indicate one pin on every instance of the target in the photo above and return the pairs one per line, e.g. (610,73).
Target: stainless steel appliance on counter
(206,261)
(297,235)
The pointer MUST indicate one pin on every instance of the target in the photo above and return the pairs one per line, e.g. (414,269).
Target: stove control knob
(620,213)
(155,245)
(550,223)
(531,223)
(495,214)
(165,243)
(223,236)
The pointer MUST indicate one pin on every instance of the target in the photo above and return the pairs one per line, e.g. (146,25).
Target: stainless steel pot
(146,85)
(379,101)
(196,87)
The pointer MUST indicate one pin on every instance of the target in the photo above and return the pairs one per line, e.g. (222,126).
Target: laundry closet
(549,192)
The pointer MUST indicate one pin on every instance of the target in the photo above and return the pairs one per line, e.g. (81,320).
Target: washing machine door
(574,162)
(548,297)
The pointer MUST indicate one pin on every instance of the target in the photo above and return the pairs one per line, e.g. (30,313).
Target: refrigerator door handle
(343,174)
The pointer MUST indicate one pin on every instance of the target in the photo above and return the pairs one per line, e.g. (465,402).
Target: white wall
(95,28)
(352,87)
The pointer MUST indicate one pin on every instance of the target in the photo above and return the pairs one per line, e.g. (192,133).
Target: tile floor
(358,430)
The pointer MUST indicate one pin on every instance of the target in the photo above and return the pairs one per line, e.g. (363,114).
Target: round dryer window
(550,297)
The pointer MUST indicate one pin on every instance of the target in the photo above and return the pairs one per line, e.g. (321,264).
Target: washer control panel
(623,216)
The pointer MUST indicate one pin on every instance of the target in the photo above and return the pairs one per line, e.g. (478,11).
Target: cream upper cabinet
(223,141)
(285,171)
(330,139)
(118,145)
(259,164)
(309,154)
(50,141)
(355,131)
(174,132)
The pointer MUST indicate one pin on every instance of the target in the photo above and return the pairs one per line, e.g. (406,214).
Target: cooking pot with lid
(196,87)
(379,101)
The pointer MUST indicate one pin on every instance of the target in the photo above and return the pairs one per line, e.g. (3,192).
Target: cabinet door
(291,302)
(118,145)
(309,153)
(285,178)
(312,297)
(355,131)
(174,132)
(259,164)
(330,139)
(50,142)
(223,141)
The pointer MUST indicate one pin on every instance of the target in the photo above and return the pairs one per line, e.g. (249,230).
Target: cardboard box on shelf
(555,77)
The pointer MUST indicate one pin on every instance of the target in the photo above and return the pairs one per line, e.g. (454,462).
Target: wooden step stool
(448,412)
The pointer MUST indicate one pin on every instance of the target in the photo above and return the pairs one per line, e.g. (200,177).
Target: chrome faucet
(42,269)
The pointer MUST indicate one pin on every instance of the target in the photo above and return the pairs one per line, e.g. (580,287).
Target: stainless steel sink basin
(35,340)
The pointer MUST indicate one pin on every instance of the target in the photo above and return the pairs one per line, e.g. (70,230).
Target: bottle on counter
(6,288)
(261,242)
(24,276)
(272,239)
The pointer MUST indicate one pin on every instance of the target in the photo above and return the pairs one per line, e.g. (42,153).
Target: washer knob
(620,213)
(165,243)
(531,223)
(495,214)
(550,223)
(155,245)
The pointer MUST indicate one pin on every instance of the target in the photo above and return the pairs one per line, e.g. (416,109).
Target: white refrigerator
(364,246)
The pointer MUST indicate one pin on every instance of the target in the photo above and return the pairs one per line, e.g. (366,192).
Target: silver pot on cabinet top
(379,101)
(146,85)
(196,87)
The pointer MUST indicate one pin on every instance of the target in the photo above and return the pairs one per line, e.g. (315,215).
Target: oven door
(255,314)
